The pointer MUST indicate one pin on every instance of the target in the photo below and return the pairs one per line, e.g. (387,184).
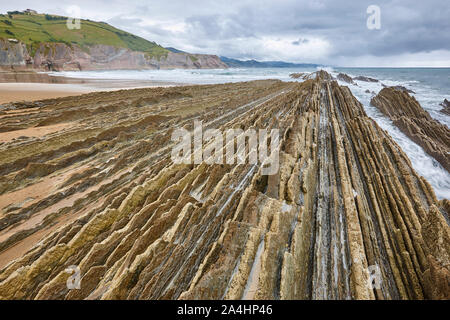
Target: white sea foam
(326,68)
(193,76)
(424,164)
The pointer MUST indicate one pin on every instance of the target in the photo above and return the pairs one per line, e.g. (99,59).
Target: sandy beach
(12,92)
(30,86)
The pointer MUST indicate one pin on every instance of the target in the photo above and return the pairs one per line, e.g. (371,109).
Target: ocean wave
(423,163)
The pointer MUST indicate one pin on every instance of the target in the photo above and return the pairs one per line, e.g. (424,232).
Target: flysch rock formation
(400,88)
(446,107)
(345,77)
(416,123)
(297,75)
(91,184)
(60,56)
(365,79)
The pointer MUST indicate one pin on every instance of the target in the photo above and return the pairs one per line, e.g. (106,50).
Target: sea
(431,87)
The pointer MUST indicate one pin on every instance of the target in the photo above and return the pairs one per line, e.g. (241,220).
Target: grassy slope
(36,28)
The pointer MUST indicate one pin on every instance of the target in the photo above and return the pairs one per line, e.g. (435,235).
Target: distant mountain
(31,40)
(234,63)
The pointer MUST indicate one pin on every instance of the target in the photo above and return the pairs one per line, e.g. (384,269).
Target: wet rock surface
(399,88)
(416,123)
(366,79)
(104,195)
(345,77)
(446,107)
(297,75)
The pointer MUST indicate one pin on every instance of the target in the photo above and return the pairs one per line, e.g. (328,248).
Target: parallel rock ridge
(345,201)
(446,107)
(416,123)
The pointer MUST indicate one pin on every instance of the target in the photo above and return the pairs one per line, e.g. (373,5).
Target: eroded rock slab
(344,202)
(416,123)
(446,107)
(365,79)
(345,77)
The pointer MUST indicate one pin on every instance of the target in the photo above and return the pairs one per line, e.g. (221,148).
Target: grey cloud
(237,28)
(299,41)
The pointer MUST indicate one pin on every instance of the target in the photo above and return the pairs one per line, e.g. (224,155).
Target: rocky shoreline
(415,122)
(446,107)
(98,190)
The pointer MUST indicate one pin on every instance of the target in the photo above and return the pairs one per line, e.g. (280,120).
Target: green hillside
(33,29)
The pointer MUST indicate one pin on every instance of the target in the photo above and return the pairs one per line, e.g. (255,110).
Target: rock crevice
(345,203)
(416,123)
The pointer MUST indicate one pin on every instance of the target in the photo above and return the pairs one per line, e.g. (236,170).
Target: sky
(410,33)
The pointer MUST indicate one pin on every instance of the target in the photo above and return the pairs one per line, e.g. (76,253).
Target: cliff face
(416,123)
(60,56)
(13,54)
(88,181)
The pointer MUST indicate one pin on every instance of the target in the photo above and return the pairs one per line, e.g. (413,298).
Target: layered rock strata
(60,56)
(297,75)
(100,192)
(398,88)
(416,123)
(366,79)
(345,77)
(446,107)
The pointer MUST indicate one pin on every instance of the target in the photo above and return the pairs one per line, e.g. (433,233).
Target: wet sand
(30,86)
(12,92)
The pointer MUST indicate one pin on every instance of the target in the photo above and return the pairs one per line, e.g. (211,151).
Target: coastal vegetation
(35,28)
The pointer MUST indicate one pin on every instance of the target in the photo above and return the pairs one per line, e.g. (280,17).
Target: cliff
(43,42)
(60,56)
(89,182)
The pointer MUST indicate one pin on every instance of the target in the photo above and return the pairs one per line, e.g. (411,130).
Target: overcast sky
(412,33)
